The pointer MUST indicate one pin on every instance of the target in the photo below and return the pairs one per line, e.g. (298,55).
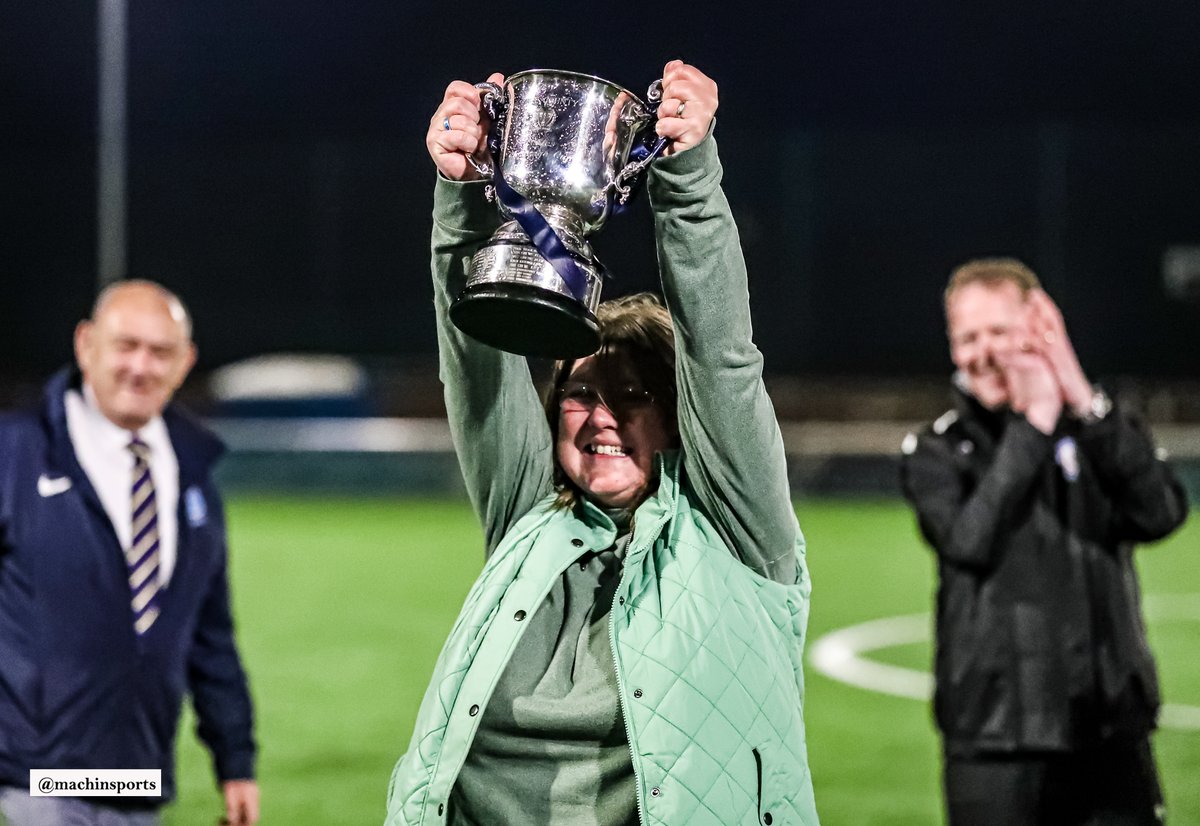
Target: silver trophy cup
(570,147)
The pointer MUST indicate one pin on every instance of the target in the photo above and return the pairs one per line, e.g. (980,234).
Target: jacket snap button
(577,542)
(655,792)
(520,615)
(637,692)
(767,818)
(441,808)
(620,600)
(474,710)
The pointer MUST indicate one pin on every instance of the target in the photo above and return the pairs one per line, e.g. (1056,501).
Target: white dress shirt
(103,451)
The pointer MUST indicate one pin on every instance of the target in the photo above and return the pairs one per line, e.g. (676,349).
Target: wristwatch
(1098,407)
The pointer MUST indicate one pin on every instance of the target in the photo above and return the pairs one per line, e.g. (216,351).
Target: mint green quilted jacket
(708,658)
(708,623)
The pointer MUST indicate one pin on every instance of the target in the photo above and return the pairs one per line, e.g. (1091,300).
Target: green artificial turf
(342,606)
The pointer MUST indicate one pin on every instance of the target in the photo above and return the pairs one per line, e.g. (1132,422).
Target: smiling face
(609,428)
(986,322)
(135,352)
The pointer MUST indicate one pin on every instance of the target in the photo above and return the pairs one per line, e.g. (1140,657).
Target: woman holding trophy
(631,651)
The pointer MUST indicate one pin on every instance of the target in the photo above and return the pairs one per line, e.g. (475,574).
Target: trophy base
(526,320)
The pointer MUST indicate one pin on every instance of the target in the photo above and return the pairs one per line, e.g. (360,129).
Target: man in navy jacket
(97,647)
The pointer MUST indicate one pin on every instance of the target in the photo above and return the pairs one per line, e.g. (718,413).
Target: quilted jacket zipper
(612,641)
(637,780)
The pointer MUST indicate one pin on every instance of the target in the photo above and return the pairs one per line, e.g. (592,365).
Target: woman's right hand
(466,136)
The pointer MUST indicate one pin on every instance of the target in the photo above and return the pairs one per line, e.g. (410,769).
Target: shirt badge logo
(1066,455)
(48,486)
(195,506)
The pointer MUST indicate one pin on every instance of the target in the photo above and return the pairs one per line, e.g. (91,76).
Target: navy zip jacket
(78,688)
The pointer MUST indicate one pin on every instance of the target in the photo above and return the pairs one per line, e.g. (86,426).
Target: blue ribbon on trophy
(543,236)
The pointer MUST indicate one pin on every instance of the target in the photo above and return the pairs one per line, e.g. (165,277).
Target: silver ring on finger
(446,123)
(682,106)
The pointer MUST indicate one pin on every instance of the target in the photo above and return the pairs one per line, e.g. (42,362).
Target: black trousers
(1109,784)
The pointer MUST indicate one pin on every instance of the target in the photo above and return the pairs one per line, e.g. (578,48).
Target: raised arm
(1148,500)
(500,435)
(965,521)
(733,451)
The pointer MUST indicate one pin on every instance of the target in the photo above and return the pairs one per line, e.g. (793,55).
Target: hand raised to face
(1033,387)
(1048,335)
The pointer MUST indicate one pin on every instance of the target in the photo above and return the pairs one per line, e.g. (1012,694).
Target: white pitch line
(839,655)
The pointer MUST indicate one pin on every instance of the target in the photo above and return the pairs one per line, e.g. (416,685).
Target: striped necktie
(142,556)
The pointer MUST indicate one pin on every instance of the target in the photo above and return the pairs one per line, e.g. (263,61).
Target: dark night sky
(277,163)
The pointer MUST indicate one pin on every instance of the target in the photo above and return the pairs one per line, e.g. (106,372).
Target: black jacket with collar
(1040,638)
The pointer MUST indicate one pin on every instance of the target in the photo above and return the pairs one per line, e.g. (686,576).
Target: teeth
(608,450)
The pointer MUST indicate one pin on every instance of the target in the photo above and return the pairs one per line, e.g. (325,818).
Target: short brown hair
(992,272)
(635,327)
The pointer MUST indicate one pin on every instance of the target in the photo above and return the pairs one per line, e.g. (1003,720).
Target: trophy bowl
(568,149)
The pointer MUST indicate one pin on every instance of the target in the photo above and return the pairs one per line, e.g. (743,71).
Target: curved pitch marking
(840,655)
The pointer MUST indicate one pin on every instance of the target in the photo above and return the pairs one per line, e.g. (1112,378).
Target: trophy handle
(654,92)
(492,102)
(644,154)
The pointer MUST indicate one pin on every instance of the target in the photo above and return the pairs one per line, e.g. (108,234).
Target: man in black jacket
(1032,490)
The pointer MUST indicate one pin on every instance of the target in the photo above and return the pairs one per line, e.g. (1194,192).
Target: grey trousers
(17,808)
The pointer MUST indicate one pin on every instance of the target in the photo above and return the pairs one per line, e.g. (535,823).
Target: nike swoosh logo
(48,487)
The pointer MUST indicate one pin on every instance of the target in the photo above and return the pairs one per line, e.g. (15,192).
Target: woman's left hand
(688,104)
